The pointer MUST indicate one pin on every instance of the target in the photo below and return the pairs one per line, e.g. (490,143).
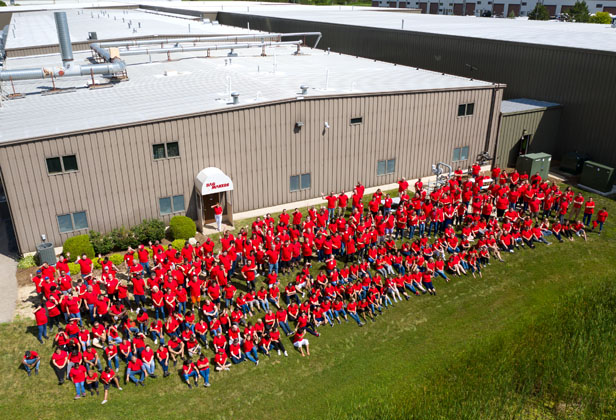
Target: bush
(178,244)
(2,4)
(123,238)
(182,227)
(601,17)
(540,12)
(27,262)
(74,268)
(116,259)
(103,244)
(149,230)
(78,245)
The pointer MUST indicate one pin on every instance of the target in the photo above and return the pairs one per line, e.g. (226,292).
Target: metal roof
(198,85)
(514,106)
(38,28)
(553,33)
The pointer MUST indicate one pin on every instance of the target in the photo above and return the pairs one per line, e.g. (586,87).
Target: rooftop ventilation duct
(64,38)
(236,98)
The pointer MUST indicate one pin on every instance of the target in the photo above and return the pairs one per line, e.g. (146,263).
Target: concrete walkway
(8,288)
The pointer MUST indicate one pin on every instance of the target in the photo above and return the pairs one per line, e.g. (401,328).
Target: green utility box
(598,177)
(534,162)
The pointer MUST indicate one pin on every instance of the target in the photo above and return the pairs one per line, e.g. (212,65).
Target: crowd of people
(222,304)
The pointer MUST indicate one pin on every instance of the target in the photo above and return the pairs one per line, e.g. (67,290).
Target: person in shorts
(109,377)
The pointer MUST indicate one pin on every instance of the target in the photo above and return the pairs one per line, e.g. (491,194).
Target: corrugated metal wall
(119,183)
(541,125)
(581,80)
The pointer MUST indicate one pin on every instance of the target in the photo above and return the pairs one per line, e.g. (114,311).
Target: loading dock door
(458,9)
(423,7)
(433,8)
(470,9)
(515,8)
(551,9)
(498,9)
(610,10)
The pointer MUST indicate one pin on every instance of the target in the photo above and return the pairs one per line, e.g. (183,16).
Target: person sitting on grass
(135,371)
(299,342)
(221,361)
(31,361)
(92,382)
(203,366)
(579,229)
(109,377)
(190,371)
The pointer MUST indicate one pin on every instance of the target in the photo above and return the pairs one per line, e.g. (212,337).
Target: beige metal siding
(119,183)
(581,80)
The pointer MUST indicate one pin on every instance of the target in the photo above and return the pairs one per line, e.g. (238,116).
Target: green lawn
(432,357)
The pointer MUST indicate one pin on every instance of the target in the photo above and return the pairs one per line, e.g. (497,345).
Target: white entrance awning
(212,180)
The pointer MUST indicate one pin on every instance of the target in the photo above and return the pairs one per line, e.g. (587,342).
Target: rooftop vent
(304,89)
(236,97)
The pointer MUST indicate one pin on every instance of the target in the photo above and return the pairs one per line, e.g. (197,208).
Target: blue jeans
(192,374)
(42,332)
(78,316)
(422,229)
(586,219)
(146,267)
(238,359)
(140,300)
(79,388)
(205,374)
(164,365)
(264,305)
(136,375)
(355,317)
(150,367)
(160,311)
(273,267)
(155,335)
(29,362)
(115,361)
(285,327)
(412,231)
(252,355)
(341,311)
(330,213)
(440,273)
(182,307)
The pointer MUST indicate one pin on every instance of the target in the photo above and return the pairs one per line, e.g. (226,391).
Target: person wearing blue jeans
(162,355)
(31,361)
(203,366)
(356,318)
(135,371)
(40,314)
(285,327)
(78,376)
(190,371)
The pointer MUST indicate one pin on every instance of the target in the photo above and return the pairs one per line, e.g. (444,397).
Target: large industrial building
(133,128)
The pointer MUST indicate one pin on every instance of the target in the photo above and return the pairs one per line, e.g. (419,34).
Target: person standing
(601,218)
(40,315)
(59,361)
(589,209)
(218,215)
(78,376)
(31,361)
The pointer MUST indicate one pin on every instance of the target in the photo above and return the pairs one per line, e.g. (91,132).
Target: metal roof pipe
(158,41)
(64,37)
(208,48)
(75,70)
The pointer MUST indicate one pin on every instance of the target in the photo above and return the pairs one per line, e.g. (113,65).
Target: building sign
(212,180)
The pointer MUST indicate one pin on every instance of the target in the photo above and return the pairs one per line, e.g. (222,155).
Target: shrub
(96,264)
(27,262)
(601,17)
(74,268)
(540,12)
(123,238)
(117,259)
(78,245)
(149,230)
(182,227)
(103,244)
(178,244)
(2,4)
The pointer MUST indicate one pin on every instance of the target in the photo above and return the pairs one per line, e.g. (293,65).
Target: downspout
(490,121)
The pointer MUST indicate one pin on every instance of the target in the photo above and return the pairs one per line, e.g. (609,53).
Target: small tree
(511,15)
(601,17)
(540,12)
(579,12)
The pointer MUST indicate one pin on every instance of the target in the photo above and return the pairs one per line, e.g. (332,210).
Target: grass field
(533,339)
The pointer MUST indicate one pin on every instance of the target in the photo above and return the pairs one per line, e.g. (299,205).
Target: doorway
(208,201)
(8,240)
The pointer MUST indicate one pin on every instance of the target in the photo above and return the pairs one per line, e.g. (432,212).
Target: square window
(65,223)
(381,167)
(165,205)
(54,166)
(456,154)
(294,183)
(461,110)
(158,151)
(173,149)
(470,108)
(305,181)
(178,203)
(69,163)
(464,153)
(80,220)
(391,166)
(357,120)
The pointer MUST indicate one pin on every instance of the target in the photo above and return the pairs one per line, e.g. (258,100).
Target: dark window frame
(62,164)
(386,166)
(466,109)
(165,149)
(357,120)
(171,199)
(300,182)
(459,151)
(73,224)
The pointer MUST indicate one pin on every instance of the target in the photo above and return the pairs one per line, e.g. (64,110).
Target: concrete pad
(8,285)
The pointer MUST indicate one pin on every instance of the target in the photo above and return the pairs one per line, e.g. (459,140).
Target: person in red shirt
(109,377)
(331,204)
(59,362)
(343,200)
(221,360)
(136,371)
(218,210)
(203,366)
(600,220)
(78,376)
(300,341)
(589,209)
(85,266)
(144,259)
(92,382)
(40,315)
(31,360)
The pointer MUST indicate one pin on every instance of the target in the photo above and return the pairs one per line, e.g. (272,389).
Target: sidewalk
(8,285)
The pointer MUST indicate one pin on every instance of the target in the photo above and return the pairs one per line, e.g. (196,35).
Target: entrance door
(208,201)
(8,242)
(433,8)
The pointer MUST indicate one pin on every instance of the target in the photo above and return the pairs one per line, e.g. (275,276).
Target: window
(170,205)
(166,150)
(58,165)
(599,5)
(299,182)
(357,120)
(460,153)
(466,109)
(385,167)
(72,221)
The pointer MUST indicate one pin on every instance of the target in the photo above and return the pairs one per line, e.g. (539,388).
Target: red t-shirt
(78,374)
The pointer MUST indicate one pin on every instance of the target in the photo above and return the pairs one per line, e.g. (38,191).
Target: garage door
(433,8)
(565,9)
(551,9)
(457,9)
(423,7)
(515,8)
(498,9)
(611,10)
(470,9)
